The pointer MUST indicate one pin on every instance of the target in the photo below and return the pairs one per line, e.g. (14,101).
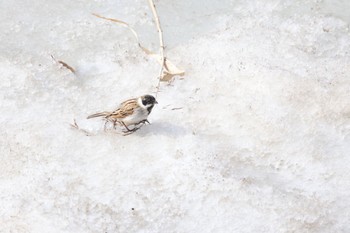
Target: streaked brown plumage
(125,109)
(130,112)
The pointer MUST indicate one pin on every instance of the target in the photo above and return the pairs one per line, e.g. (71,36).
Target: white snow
(259,140)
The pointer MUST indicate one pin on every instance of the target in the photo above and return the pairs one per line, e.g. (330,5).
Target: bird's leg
(141,122)
(128,130)
(137,127)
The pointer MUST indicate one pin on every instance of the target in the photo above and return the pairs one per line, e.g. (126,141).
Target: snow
(258,141)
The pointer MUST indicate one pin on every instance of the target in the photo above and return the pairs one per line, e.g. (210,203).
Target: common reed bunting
(131,112)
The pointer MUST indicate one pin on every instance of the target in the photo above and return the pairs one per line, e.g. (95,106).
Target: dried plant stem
(161,42)
(65,65)
(128,27)
(168,69)
(76,126)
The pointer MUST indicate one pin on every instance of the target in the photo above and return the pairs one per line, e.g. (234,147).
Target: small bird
(130,112)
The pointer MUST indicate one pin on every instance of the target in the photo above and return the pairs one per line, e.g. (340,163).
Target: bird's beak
(156,102)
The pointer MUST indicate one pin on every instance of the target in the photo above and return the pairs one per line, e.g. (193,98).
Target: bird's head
(148,101)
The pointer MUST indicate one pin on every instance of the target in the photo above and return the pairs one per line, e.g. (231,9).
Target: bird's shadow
(162,128)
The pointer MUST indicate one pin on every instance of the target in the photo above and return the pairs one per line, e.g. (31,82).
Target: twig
(65,65)
(161,42)
(168,69)
(147,51)
(176,108)
(75,126)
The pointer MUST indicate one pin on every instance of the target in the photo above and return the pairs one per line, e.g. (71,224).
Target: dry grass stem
(168,69)
(65,65)
(76,126)
(161,43)
(124,24)
(176,108)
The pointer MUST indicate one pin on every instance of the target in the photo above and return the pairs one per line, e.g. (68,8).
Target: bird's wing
(99,114)
(125,109)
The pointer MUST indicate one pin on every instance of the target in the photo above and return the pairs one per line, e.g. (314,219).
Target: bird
(133,111)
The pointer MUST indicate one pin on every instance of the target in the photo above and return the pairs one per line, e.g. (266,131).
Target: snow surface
(260,143)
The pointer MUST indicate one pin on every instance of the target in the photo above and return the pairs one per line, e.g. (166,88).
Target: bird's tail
(99,114)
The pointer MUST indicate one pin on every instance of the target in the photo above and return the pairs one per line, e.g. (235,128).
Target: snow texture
(254,138)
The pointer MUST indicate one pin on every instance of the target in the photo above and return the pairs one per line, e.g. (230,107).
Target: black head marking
(149,101)
(149,109)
